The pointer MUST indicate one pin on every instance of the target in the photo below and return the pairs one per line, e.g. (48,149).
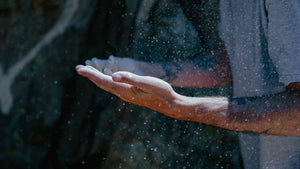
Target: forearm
(279,114)
(203,71)
(274,114)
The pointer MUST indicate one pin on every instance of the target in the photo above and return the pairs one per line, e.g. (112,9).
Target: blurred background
(52,118)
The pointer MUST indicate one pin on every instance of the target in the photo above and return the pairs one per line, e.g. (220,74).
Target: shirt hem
(286,79)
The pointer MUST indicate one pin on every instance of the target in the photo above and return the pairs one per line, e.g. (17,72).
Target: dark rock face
(57,119)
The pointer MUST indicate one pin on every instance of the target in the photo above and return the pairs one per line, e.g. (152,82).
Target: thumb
(144,82)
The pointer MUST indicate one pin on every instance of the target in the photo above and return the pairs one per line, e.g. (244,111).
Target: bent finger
(146,83)
(112,63)
(97,63)
(101,80)
(107,71)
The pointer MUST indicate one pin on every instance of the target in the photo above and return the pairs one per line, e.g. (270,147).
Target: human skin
(277,114)
(214,70)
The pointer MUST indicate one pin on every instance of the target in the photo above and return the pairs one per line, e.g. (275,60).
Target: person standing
(261,58)
(262,38)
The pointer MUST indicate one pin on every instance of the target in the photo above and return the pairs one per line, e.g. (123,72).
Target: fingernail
(108,71)
(78,66)
(88,62)
(116,77)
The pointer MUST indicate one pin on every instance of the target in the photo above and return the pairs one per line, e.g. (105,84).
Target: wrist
(199,109)
(180,107)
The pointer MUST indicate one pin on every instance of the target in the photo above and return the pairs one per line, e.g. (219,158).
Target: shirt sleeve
(284,38)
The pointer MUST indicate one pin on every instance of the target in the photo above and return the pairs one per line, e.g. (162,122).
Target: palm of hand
(146,91)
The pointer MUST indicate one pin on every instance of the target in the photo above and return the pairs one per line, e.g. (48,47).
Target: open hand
(114,64)
(146,91)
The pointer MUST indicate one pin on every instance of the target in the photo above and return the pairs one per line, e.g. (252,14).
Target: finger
(146,83)
(90,63)
(124,91)
(91,72)
(97,63)
(112,64)
(107,71)
(101,80)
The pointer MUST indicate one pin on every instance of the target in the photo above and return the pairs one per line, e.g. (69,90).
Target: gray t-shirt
(263,41)
(262,38)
